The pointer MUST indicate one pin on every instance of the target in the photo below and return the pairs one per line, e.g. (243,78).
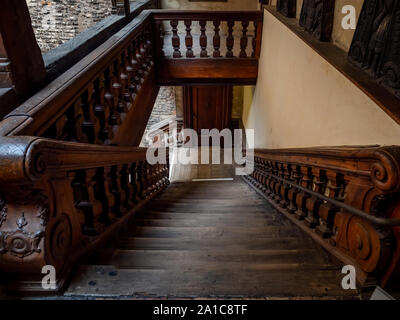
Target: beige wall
(300,100)
(230,5)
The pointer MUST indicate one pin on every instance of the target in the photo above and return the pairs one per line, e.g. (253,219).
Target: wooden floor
(210,239)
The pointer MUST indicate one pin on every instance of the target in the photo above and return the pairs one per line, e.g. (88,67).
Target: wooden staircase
(210,239)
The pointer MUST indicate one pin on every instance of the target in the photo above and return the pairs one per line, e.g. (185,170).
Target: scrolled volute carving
(385,173)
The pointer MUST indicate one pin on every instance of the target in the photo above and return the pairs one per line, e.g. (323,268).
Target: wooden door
(207,107)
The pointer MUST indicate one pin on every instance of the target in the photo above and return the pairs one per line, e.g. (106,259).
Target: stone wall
(57,21)
(164,107)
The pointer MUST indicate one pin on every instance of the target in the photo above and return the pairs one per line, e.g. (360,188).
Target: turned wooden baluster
(293,191)
(141,178)
(112,118)
(254,41)
(135,183)
(176,42)
(203,39)
(217,39)
(287,172)
(149,44)
(139,60)
(230,40)
(301,199)
(189,39)
(313,203)
(327,211)
(125,187)
(100,113)
(144,54)
(278,183)
(124,76)
(87,124)
(160,44)
(114,190)
(244,40)
(135,66)
(70,129)
(101,195)
(80,187)
(130,70)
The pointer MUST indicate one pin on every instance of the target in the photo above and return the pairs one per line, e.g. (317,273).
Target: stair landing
(216,239)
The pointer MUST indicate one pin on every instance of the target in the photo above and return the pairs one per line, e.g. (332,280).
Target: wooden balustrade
(93,101)
(193,65)
(106,98)
(61,199)
(346,198)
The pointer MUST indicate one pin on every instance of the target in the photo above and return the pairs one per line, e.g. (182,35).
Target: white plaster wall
(301,100)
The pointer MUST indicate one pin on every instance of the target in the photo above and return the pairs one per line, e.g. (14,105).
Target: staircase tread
(211,239)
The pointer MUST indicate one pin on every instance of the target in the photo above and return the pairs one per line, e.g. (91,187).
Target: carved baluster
(124,76)
(217,39)
(141,171)
(118,91)
(144,54)
(160,47)
(176,42)
(140,63)
(101,195)
(82,201)
(313,203)
(130,70)
(70,129)
(114,190)
(150,57)
(125,187)
(189,39)
(135,183)
(135,66)
(287,171)
(87,124)
(292,193)
(203,39)
(100,113)
(301,199)
(244,40)
(327,212)
(254,41)
(278,183)
(114,119)
(230,40)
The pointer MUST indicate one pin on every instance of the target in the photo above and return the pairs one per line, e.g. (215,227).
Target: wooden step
(217,232)
(203,259)
(211,239)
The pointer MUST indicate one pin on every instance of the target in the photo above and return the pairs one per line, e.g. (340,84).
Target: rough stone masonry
(57,21)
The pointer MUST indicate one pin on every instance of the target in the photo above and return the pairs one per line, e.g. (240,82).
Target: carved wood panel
(286,7)
(376,42)
(317,18)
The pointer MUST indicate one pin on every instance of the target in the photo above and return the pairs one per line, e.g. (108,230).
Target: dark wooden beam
(19,44)
(192,71)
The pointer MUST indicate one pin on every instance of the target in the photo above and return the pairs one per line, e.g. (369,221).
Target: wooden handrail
(61,199)
(307,184)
